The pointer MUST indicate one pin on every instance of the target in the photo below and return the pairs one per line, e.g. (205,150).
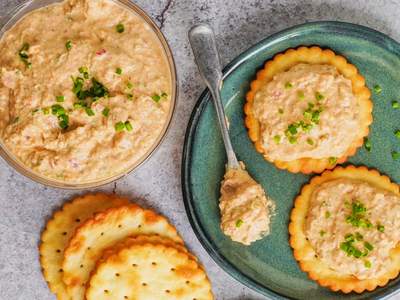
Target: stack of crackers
(103,247)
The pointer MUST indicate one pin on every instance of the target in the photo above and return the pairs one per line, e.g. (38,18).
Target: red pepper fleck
(101,52)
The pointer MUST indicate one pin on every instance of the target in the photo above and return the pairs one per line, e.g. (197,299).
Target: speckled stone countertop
(25,206)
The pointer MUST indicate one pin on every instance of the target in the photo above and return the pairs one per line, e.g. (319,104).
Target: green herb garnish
(156,98)
(106,112)
(395,155)
(277,139)
(280,111)
(120,28)
(60,98)
(368,246)
(239,223)
(310,141)
(397,134)
(293,140)
(332,160)
(322,233)
(129,85)
(89,111)
(61,114)
(130,96)
(68,45)
(118,71)
(288,85)
(367,144)
(367,264)
(319,96)
(380,228)
(128,126)
(120,126)
(395,104)
(357,218)
(327,214)
(377,89)
(23,55)
(46,110)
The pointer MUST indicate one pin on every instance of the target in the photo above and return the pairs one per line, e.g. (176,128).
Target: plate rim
(374,36)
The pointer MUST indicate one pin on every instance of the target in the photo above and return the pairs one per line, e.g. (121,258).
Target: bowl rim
(22,10)
(354,29)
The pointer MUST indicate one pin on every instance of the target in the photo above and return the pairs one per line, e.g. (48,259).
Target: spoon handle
(202,40)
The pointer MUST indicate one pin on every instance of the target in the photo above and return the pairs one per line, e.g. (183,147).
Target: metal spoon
(202,40)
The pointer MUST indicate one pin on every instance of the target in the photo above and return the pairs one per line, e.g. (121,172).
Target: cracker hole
(117,274)
(64,233)
(89,248)
(58,251)
(125,297)
(187,282)
(139,226)
(119,226)
(106,291)
(77,220)
(134,265)
(102,233)
(61,270)
(172,269)
(167,291)
(144,284)
(154,263)
(81,266)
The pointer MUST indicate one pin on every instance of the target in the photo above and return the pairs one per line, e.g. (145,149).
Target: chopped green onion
(164,95)
(239,223)
(89,111)
(64,120)
(292,128)
(288,85)
(130,96)
(156,98)
(367,144)
(277,139)
(128,126)
(280,111)
(292,139)
(368,246)
(57,110)
(327,214)
(322,233)
(359,236)
(35,111)
(319,96)
(367,264)
(300,94)
(310,141)
(79,104)
(68,45)
(397,134)
(129,85)
(120,126)
(380,228)
(46,110)
(377,89)
(106,112)
(395,104)
(120,28)
(60,98)
(395,155)
(332,160)
(23,55)
(118,71)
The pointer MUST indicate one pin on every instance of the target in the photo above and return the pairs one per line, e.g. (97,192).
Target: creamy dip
(346,216)
(309,111)
(104,66)
(245,209)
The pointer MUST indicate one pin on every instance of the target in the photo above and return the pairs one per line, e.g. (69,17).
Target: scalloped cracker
(60,229)
(303,251)
(148,271)
(313,55)
(103,231)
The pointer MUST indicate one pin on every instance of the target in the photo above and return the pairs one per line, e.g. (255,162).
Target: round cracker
(310,55)
(147,272)
(303,251)
(103,231)
(60,229)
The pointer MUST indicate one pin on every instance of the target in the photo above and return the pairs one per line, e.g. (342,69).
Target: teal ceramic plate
(268,266)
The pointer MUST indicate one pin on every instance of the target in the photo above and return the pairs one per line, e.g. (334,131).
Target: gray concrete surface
(25,205)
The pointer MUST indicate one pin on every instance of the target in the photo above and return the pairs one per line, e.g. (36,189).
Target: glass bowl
(27,7)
